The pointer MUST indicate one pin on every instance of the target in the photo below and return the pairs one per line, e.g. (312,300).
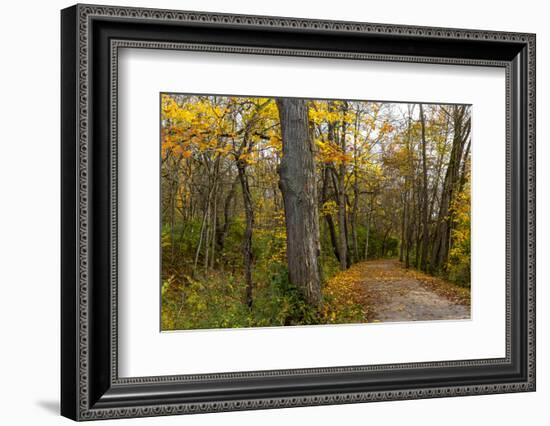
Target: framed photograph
(263,212)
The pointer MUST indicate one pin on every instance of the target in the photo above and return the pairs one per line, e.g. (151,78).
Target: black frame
(91,37)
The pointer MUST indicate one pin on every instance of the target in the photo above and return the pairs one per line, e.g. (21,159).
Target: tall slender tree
(451,185)
(425,201)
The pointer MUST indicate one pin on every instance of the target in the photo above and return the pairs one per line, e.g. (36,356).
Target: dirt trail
(397,294)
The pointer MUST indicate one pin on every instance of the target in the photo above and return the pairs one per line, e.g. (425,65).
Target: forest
(290,211)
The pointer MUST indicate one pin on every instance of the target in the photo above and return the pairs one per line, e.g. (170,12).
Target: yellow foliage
(458,265)
(329,208)
(330,152)
(344,299)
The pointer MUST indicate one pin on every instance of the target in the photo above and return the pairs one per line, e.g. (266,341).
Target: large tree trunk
(298,186)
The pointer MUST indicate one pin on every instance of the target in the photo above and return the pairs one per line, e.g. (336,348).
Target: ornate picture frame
(91,38)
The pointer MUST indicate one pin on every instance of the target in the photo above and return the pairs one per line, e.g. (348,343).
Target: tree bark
(340,196)
(369,218)
(355,205)
(409,232)
(440,250)
(402,244)
(298,186)
(410,194)
(202,231)
(425,230)
(328,216)
(247,240)
(221,234)
(384,241)
(354,227)
(342,200)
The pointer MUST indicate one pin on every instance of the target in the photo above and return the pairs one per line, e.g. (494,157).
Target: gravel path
(397,294)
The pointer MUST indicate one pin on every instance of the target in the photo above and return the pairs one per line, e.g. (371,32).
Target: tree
(452,184)
(249,216)
(298,186)
(325,204)
(425,201)
(244,180)
(341,191)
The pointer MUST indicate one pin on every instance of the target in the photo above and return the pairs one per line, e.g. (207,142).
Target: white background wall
(29,213)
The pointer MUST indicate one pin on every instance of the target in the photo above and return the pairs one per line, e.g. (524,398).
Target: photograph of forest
(291,211)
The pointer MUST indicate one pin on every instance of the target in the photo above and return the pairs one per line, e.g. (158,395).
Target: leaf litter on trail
(446,289)
(403,294)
